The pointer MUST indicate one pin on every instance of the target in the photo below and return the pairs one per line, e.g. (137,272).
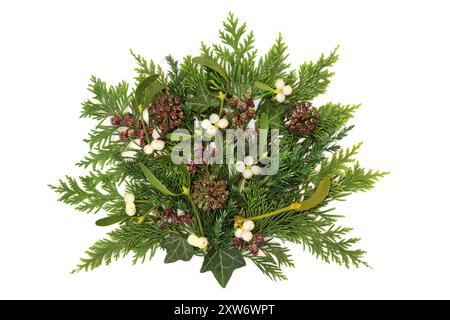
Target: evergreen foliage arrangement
(226,214)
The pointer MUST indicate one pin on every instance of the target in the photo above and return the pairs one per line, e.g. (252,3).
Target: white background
(394,60)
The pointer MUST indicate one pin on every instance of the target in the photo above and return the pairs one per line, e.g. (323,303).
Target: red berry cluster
(244,111)
(252,246)
(167,112)
(210,194)
(133,129)
(170,217)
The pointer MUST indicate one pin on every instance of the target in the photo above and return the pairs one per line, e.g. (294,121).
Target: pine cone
(210,194)
(167,112)
(303,118)
(244,111)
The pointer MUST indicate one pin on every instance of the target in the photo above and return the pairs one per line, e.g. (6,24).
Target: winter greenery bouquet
(223,157)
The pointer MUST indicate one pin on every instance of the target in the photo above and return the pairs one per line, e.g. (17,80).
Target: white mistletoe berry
(247,173)
(238,232)
(214,118)
(214,124)
(287,90)
(280,97)
(211,131)
(206,124)
(248,225)
(240,166)
(247,236)
(193,240)
(202,243)
(130,209)
(248,160)
(256,170)
(157,145)
(279,84)
(223,123)
(148,149)
(129,197)
(281,90)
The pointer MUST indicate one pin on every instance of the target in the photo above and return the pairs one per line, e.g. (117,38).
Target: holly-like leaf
(210,63)
(222,262)
(177,248)
(275,114)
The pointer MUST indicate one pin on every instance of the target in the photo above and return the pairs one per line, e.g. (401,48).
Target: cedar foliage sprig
(234,70)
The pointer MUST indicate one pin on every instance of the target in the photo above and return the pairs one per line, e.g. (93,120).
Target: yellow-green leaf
(263,86)
(318,196)
(154,181)
(108,221)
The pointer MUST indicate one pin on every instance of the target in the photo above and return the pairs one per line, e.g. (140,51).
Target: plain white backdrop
(394,60)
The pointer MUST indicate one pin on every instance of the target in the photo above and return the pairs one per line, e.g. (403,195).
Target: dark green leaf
(154,181)
(152,90)
(105,222)
(275,114)
(140,89)
(222,262)
(210,63)
(177,248)
(203,100)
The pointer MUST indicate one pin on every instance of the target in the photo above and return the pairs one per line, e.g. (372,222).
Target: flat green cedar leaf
(154,181)
(177,248)
(210,63)
(222,262)
(140,89)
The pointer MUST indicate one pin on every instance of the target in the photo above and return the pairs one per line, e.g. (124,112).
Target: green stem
(222,97)
(221,108)
(196,212)
(291,207)
(144,127)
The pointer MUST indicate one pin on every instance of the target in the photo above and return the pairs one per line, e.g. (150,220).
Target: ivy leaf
(154,181)
(222,262)
(275,114)
(203,100)
(210,63)
(177,248)
(140,89)
(109,221)
(318,196)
